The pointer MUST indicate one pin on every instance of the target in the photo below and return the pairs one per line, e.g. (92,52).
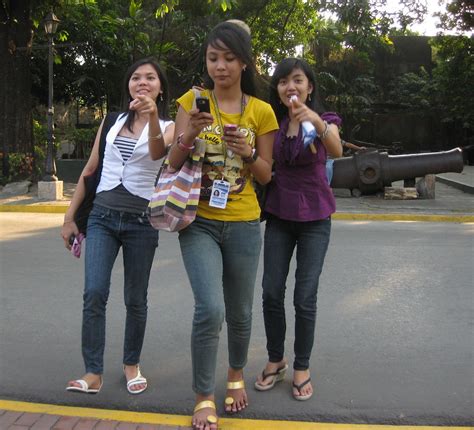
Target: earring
(309,96)
(244,68)
(161,97)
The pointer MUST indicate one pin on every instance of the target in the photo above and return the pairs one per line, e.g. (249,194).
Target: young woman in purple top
(299,206)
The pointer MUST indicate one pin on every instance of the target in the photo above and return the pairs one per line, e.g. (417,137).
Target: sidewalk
(454,202)
(51,417)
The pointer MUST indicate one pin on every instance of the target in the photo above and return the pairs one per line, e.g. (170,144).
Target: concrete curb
(184,421)
(38,208)
(348,216)
(455,184)
(344,216)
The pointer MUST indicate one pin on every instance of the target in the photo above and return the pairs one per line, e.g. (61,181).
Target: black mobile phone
(202,103)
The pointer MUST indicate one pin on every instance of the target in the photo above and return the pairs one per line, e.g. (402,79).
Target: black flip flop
(299,387)
(278,376)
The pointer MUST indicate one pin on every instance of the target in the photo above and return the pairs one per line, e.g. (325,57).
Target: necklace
(221,125)
(219,118)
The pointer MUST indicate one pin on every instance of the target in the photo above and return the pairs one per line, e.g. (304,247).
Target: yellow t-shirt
(257,119)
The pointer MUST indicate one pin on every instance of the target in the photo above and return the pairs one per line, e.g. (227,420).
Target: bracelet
(325,133)
(157,137)
(252,158)
(67,222)
(182,146)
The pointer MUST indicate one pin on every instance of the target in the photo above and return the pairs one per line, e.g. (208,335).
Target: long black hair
(282,70)
(238,41)
(162,100)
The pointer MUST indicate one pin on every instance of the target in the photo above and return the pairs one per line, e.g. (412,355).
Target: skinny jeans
(221,260)
(107,231)
(311,240)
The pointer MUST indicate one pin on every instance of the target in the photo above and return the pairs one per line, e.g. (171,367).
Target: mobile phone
(71,239)
(229,127)
(202,103)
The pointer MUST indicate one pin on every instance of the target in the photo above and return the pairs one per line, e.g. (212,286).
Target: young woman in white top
(134,145)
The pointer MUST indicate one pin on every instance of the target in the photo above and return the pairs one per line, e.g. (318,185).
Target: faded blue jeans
(311,240)
(107,231)
(221,260)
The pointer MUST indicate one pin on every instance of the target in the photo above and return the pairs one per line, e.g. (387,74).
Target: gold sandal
(237,385)
(211,419)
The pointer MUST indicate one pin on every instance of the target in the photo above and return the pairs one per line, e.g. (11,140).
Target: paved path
(453,202)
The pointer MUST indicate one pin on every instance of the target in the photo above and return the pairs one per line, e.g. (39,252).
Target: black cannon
(370,171)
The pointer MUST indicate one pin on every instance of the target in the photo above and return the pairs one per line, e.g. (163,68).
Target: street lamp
(50,26)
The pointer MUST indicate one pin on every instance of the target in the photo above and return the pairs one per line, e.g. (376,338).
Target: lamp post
(50,26)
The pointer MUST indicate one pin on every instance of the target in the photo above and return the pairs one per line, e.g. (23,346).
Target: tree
(98,39)
(15,101)
(19,20)
(459,16)
(452,86)
(18,23)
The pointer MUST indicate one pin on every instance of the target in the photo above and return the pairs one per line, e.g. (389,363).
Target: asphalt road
(394,338)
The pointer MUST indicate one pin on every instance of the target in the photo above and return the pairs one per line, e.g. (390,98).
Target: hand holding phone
(229,128)
(202,103)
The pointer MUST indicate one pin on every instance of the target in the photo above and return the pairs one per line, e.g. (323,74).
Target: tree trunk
(16,36)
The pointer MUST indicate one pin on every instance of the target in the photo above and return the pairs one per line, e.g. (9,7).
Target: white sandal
(84,387)
(139,379)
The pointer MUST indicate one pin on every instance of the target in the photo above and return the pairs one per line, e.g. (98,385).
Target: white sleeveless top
(138,173)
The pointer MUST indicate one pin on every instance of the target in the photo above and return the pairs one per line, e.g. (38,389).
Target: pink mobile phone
(229,127)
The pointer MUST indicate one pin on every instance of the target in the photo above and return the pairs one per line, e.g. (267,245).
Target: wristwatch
(252,158)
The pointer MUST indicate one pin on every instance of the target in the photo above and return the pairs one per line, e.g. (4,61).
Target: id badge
(219,194)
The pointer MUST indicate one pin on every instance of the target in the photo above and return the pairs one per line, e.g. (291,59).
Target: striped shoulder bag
(174,203)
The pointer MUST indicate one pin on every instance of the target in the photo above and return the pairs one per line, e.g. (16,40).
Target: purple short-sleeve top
(299,190)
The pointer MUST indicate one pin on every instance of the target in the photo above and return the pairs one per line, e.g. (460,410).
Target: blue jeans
(221,260)
(107,231)
(311,240)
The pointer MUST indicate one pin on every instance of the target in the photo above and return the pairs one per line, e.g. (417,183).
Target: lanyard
(219,119)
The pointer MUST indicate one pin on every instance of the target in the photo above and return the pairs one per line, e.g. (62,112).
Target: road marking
(182,420)
(344,216)
(51,209)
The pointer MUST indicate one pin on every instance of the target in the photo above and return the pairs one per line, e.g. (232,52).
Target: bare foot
(204,417)
(236,396)
(272,373)
(302,388)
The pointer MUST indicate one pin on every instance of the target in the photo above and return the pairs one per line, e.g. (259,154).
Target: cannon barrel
(370,171)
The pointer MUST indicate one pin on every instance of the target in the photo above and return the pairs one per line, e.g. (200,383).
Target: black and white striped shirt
(125,146)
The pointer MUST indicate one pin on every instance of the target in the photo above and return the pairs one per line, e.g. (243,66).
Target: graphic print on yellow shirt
(257,119)
(222,164)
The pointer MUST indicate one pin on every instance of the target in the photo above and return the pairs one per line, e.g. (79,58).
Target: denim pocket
(143,220)
(99,212)
(253,222)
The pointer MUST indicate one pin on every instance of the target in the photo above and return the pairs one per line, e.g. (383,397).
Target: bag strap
(109,121)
